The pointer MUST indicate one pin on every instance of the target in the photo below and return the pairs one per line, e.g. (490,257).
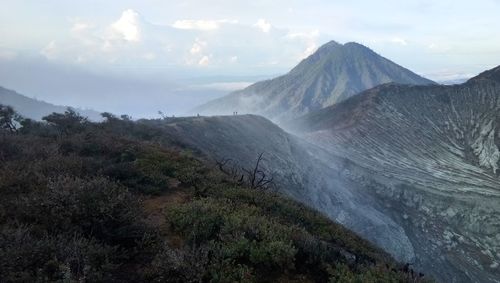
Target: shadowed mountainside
(431,154)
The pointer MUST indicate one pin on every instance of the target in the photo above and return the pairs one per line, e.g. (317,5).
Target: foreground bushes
(121,201)
(71,229)
(28,256)
(250,236)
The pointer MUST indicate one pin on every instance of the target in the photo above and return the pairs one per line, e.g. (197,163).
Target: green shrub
(181,265)
(223,270)
(27,257)
(243,235)
(68,122)
(274,254)
(95,207)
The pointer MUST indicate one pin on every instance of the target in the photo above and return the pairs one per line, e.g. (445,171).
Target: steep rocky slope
(430,155)
(332,74)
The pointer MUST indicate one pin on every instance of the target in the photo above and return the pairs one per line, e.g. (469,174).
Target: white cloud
(438,48)
(195,49)
(310,39)
(82,31)
(204,61)
(264,25)
(203,25)
(130,39)
(399,40)
(309,50)
(197,46)
(80,26)
(198,54)
(50,51)
(128,26)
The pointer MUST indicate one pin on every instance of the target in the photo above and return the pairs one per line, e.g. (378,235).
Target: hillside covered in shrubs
(121,201)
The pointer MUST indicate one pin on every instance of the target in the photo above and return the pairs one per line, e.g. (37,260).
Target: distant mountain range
(36,109)
(332,74)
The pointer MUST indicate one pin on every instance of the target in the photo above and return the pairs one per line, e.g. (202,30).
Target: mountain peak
(333,46)
(329,45)
(332,74)
(336,53)
(354,44)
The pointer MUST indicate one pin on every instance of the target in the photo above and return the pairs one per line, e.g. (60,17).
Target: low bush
(267,236)
(33,257)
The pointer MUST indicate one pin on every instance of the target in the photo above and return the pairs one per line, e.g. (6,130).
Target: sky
(138,56)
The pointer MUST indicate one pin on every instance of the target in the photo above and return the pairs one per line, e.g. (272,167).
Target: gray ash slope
(431,156)
(332,74)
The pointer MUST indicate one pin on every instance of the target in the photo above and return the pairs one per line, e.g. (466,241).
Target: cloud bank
(132,40)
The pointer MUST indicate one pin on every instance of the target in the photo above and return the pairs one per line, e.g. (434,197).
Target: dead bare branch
(256,178)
